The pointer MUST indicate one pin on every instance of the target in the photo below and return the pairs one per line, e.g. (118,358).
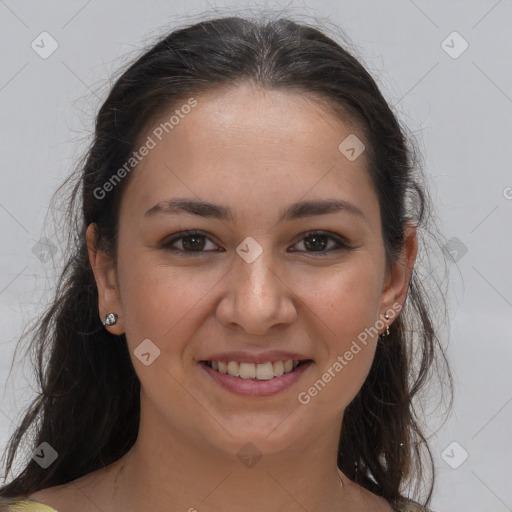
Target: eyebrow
(295,211)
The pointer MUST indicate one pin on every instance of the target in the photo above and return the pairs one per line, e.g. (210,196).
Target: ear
(397,281)
(106,281)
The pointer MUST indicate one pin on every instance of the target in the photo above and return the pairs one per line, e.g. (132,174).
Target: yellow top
(23,505)
(28,505)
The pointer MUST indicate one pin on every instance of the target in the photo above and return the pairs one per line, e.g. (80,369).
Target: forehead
(270,146)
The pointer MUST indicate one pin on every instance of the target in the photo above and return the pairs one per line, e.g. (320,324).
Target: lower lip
(254,387)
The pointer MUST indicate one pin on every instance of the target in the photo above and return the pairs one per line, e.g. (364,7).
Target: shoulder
(21,504)
(88,493)
(61,498)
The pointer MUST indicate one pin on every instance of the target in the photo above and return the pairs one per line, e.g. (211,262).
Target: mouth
(256,379)
(260,371)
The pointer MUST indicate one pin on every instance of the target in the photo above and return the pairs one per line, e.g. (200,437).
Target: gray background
(459,109)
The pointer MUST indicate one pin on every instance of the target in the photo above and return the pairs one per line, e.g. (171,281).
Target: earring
(110,319)
(382,336)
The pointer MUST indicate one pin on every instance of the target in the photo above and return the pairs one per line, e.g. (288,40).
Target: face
(259,282)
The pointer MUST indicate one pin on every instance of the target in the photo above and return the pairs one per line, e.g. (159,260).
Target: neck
(170,471)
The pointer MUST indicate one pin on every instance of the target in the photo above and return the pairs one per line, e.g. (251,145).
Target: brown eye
(196,242)
(191,242)
(319,241)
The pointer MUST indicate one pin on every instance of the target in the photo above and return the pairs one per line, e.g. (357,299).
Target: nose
(257,297)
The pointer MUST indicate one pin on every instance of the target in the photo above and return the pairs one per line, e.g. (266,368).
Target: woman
(238,326)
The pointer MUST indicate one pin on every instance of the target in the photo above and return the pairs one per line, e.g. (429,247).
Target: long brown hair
(88,408)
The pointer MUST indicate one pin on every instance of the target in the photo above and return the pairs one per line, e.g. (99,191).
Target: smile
(256,379)
(263,371)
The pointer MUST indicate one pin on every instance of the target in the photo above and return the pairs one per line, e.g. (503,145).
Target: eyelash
(167,245)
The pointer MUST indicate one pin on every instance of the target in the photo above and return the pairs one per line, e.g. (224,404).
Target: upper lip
(243,356)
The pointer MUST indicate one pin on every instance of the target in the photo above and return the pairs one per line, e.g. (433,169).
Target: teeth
(233,369)
(247,370)
(278,368)
(262,371)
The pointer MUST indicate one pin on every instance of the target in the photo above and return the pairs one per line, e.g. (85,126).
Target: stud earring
(110,319)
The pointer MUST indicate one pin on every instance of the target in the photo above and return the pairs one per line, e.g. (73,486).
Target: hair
(89,402)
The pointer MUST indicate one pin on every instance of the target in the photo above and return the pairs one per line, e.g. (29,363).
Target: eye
(191,242)
(195,241)
(318,241)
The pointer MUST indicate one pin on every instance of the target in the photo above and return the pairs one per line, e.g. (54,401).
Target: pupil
(315,239)
(194,245)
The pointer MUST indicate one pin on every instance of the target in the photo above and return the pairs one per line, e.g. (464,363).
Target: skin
(256,152)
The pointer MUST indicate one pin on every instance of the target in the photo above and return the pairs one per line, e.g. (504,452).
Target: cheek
(346,308)
(160,302)
(346,299)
